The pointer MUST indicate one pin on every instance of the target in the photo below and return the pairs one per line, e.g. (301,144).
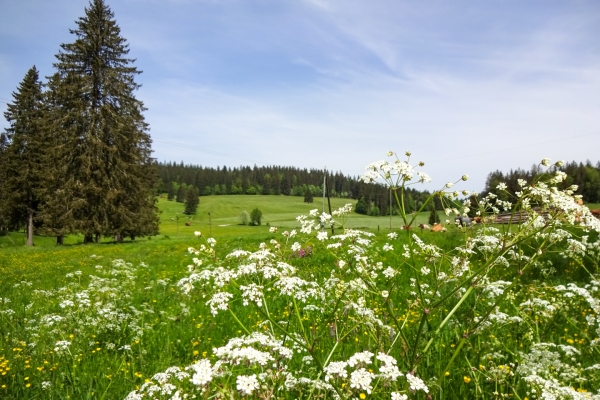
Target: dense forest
(276,180)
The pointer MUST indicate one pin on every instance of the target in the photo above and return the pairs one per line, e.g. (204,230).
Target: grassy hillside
(224,219)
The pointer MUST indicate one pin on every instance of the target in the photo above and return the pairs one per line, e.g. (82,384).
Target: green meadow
(98,321)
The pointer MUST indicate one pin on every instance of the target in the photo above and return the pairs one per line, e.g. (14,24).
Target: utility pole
(324,185)
(210,224)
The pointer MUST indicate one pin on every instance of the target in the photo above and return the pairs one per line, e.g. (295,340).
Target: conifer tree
(109,175)
(23,146)
(55,210)
(191,201)
(170,191)
(434,218)
(181,194)
(308,196)
(361,207)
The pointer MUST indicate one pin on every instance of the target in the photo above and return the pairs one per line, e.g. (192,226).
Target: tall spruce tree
(4,214)
(22,153)
(109,175)
(55,212)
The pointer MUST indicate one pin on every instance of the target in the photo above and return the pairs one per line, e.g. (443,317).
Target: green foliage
(308,196)
(244,218)
(170,191)
(108,175)
(374,211)
(433,217)
(361,207)
(255,217)
(191,201)
(23,156)
(181,193)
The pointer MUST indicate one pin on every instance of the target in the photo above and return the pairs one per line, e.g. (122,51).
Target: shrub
(244,218)
(255,216)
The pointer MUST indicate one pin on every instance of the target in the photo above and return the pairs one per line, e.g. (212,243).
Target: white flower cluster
(546,371)
(395,173)
(358,376)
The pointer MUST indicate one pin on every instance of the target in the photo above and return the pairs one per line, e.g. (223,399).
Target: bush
(374,211)
(244,218)
(255,217)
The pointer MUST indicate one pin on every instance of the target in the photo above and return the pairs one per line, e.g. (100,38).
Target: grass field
(139,322)
(224,219)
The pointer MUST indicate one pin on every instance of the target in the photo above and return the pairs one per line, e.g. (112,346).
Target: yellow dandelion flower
(466,379)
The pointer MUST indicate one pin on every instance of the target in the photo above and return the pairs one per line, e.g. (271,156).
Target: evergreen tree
(56,211)
(308,196)
(110,177)
(170,191)
(361,207)
(191,201)
(22,154)
(434,218)
(3,176)
(181,193)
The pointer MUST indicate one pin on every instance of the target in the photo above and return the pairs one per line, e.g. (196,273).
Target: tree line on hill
(76,155)
(177,178)
(585,175)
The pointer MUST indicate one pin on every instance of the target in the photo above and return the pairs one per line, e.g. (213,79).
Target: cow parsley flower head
(361,380)
(247,384)
(416,383)
(545,162)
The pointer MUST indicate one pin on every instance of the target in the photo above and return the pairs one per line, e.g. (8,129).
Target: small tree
(191,201)
(244,218)
(361,207)
(255,216)
(374,211)
(433,217)
(181,193)
(308,196)
(170,191)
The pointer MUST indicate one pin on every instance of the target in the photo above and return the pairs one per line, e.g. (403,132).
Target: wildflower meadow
(322,311)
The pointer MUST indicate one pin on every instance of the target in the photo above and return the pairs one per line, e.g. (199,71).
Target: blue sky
(467,86)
